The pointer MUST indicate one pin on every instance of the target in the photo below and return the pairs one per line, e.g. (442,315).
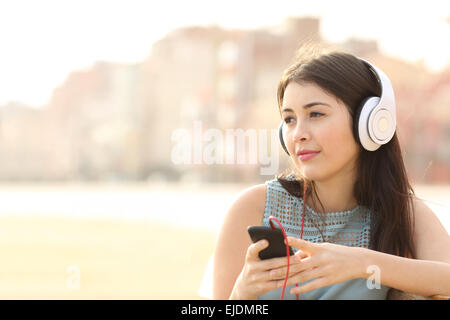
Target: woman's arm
(239,273)
(233,239)
(329,264)
(428,275)
(422,277)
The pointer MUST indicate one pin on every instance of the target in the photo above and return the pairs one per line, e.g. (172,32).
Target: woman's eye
(318,113)
(312,114)
(287,119)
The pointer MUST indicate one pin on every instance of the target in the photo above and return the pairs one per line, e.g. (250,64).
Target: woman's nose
(301,132)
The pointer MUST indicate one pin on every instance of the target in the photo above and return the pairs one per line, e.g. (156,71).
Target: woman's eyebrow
(306,106)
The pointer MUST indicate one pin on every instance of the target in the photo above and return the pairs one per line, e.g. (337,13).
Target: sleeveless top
(349,228)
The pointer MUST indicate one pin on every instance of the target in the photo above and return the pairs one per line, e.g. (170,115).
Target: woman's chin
(311,172)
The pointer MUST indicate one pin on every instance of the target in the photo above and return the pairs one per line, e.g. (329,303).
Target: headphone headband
(387,99)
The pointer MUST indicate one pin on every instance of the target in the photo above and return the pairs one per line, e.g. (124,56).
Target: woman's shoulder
(245,210)
(430,235)
(424,218)
(250,201)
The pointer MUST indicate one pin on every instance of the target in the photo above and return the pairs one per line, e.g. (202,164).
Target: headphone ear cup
(361,124)
(280,135)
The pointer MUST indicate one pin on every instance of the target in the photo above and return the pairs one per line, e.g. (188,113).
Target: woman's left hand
(327,263)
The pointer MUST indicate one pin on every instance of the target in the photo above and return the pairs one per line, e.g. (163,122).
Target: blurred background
(92,203)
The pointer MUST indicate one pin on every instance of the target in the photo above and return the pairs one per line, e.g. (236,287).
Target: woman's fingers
(255,278)
(306,275)
(304,264)
(268,266)
(281,261)
(274,268)
(313,285)
(304,245)
(255,248)
(302,254)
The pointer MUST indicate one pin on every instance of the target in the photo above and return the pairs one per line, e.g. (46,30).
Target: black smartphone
(276,248)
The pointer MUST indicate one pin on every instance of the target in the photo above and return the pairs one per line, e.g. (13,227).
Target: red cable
(287,254)
(303,211)
(287,246)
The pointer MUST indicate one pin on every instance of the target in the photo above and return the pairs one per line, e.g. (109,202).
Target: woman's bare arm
(233,240)
(429,274)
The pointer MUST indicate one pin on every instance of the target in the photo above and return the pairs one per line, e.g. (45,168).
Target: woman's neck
(335,195)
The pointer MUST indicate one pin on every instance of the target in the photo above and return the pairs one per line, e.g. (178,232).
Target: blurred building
(117,121)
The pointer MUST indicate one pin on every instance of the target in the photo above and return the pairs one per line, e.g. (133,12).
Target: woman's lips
(308,156)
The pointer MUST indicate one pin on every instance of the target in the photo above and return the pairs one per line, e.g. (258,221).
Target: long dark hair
(382,183)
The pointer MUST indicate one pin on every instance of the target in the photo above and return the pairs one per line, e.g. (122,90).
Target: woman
(364,230)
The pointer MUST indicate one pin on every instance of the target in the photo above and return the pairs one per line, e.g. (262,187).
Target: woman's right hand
(256,277)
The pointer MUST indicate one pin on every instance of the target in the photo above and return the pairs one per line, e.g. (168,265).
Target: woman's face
(324,127)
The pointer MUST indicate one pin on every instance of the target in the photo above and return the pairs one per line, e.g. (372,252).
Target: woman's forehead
(299,94)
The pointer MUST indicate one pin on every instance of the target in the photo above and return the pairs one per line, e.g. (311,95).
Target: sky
(43,41)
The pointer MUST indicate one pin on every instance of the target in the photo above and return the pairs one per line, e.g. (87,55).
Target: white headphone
(375,119)
(374,122)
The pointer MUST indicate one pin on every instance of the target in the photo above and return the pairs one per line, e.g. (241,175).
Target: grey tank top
(349,228)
